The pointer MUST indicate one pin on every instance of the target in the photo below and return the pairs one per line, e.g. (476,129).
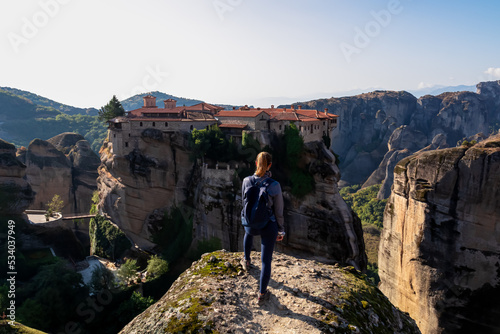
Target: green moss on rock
(214,296)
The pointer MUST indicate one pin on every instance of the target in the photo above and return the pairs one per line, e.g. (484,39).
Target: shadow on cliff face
(478,315)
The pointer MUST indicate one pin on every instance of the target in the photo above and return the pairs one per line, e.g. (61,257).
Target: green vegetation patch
(215,267)
(173,234)
(365,204)
(212,143)
(370,210)
(106,239)
(93,130)
(193,310)
(190,322)
(18,328)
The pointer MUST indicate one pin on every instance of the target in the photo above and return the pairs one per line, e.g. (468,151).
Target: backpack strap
(261,181)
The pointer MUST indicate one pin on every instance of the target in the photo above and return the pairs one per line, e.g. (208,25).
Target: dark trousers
(268,236)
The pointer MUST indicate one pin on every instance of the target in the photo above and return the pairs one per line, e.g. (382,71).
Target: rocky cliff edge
(216,296)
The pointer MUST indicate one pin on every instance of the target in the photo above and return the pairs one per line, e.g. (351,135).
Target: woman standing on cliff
(273,231)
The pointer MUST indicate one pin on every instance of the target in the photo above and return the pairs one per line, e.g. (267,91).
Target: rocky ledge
(216,296)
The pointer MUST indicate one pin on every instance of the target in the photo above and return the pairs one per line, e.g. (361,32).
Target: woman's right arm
(278,206)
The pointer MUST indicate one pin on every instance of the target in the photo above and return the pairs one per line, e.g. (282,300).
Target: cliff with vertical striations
(137,186)
(439,255)
(63,165)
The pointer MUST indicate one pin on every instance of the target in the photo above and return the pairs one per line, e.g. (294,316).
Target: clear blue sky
(81,52)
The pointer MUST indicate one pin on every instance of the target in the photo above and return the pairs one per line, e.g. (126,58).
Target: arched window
(191,128)
(166,124)
(140,124)
(154,123)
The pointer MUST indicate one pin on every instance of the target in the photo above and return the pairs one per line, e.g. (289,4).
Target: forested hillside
(22,120)
(43,101)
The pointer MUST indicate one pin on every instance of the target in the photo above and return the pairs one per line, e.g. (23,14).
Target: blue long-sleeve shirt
(275,198)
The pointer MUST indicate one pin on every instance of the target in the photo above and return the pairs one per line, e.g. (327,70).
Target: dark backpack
(256,209)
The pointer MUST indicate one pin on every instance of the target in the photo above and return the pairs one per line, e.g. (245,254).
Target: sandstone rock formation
(63,165)
(490,91)
(367,122)
(15,192)
(403,142)
(216,296)
(457,115)
(153,176)
(157,174)
(365,125)
(439,253)
(84,164)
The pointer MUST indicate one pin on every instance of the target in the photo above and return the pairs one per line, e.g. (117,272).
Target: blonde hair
(263,161)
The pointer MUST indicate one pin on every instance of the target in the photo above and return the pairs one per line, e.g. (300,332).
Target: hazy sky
(81,52)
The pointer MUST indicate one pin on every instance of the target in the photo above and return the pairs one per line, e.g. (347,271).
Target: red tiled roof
(152,119)
(197,107)
(310,120)
(203,106)
(199,112)
(239,113)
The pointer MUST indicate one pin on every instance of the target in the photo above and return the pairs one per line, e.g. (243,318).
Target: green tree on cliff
(127,271)
(111,110)
(56,204)
(156,267)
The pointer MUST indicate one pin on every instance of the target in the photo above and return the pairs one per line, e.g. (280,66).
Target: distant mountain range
(43,101)
(25,116)
(436,90)
(136,101)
